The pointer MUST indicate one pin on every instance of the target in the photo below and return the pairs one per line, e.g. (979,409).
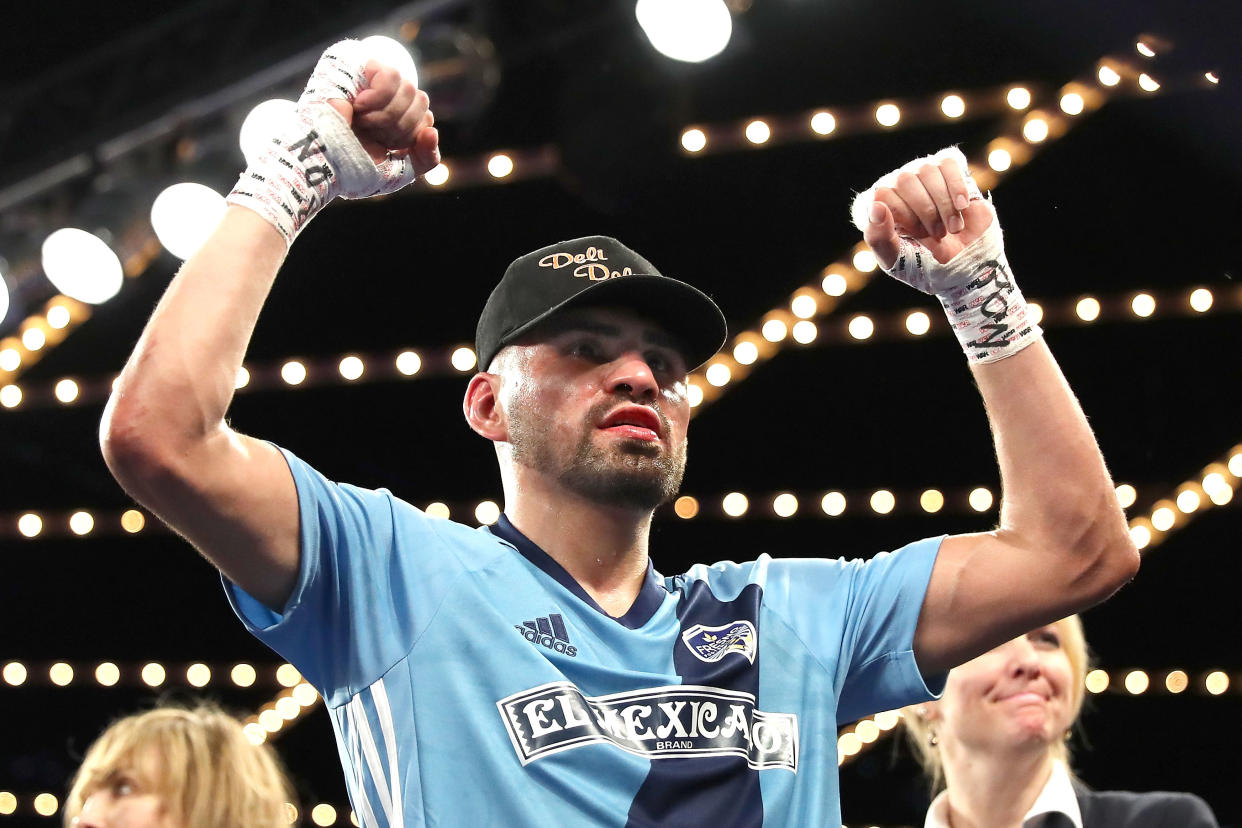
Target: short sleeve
(858,618)
(372,570)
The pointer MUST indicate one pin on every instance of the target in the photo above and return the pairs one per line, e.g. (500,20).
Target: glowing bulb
(980,499)
(999,159)
(351,368)
(931,501)
(1188,501)
(81,523)
(30,525)
(436,509)
(60,673)
(1072,103)
(1201,300)
(1087,308)
(694,395)
(1126,495)
(10,359)
(823,123)
(58,317)
(686,507)
(1143,305)
(45,804)
(865,261)
(718,374)
(287,675)
(1144,50)
(500,165)
(774,330)
(887,115)
(1212,77)
(882,501)
(735,504)
(833,503)
(1235,464)
(1035,311)
(804,332)
(785,505)
(153,674)
(409,363)
(293,372)
(1217,682)
(184,215)
(746,352)
(305,695)
(487,512)
(255,734)
(287,708)
(1222,495)
(10,396)
(81,266)
(1136,682)
(803,306)
(693,140)
(463,359)
(1018,97)
(834,284)
(861,327)
(1141,536)
(133,521)
(1214,481)
(438,175)
(271,721)
(198,675)
(867,731)
(14,673)
(1176,681)
(887,719)
(242,379)
(1097,681)
(243,675)
(691,31)
(323,814)
(1163,518)
(107,674)
(758,132)
(849,744)
(953,106)
(34,338)
(1147,83)
(8,803)
(393,54)
(66,391)
(918,323)
(262,122)
(1108,76)
(1035,130)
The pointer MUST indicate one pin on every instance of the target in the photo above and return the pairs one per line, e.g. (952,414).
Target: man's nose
(631,374)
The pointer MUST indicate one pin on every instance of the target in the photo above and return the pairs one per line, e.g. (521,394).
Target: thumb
(343,108)
(881,235)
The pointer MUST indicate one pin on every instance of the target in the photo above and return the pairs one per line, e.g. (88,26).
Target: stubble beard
(627,473)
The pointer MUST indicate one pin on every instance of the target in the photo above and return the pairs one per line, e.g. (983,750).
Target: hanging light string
(360,368)
(1213,487)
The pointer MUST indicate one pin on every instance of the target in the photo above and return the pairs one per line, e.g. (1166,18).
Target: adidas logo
(548,631)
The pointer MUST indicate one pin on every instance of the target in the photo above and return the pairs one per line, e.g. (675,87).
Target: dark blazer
(1159,809)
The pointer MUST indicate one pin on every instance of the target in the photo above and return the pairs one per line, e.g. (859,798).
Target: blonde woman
(178,768)
(996,744)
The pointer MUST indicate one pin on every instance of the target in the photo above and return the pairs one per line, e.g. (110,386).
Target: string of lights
(282,712)
(150,674)
(362,368)
(1212,487)
(1034,124)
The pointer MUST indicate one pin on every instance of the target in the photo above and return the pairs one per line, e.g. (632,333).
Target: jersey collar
(650,595)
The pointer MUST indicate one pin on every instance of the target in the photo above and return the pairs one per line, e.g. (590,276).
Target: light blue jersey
(472,682)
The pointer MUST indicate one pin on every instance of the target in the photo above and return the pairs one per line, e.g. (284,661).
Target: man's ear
(482,407)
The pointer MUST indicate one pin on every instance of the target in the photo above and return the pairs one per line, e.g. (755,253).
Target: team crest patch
(714,643)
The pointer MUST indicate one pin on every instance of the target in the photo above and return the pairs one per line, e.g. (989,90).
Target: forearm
(178,383)
(1057,497)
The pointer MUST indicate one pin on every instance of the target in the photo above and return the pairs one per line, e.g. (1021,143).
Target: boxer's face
(1018,694)
(597,399)
(127,798)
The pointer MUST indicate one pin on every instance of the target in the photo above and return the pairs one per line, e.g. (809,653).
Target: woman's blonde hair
(919,730)
(197,760)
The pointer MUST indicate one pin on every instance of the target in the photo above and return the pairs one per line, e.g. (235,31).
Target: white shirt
(1056,797)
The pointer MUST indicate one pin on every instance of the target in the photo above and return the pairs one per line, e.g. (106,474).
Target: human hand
(389,115)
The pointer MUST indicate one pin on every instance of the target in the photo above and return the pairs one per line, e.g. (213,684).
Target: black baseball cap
(595,271)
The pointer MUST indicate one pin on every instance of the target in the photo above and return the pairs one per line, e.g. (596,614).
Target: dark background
(1141,194)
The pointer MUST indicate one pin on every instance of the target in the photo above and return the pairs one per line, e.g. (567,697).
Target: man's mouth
(634,421)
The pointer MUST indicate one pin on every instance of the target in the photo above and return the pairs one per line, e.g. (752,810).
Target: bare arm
(164,434)
(1062,543)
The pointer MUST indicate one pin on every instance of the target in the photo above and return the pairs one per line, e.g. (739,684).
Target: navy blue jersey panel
(722,792)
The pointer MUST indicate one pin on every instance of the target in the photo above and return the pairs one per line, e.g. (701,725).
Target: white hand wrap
(976,288)
(315,156)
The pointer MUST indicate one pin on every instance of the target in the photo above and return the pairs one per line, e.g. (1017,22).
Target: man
(541,671)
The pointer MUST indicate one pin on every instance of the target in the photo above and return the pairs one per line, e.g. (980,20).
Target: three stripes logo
(548,631)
